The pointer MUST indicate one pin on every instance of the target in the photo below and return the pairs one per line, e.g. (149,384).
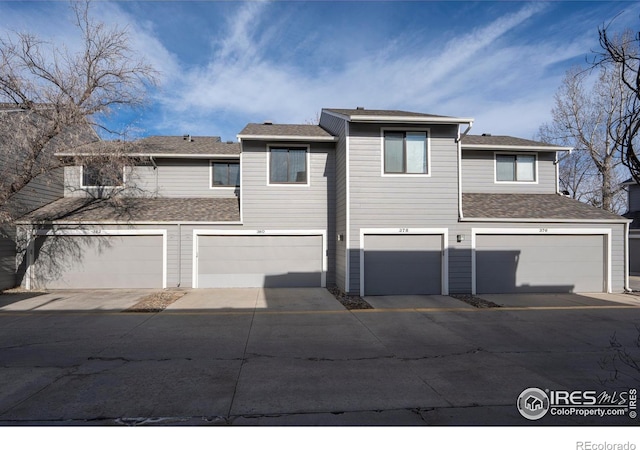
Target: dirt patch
(350,301)
(155,302)
(474,301)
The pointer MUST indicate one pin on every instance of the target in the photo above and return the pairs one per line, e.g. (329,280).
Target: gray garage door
(402,264)
(634,255)
(540,263)
(77,262)
(259,261)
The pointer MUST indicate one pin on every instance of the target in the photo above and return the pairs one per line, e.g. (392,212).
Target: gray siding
(171,178)
(39,192)
(399,201)
(7,257)
(337,127)
(292,207)
(478,174)
(634,197)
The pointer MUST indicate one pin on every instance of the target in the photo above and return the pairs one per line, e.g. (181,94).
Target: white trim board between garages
(542,231)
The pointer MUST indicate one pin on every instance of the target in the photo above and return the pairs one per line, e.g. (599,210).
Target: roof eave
(515,147)
(411,119)
(270,137)
(542,220)
(162,155)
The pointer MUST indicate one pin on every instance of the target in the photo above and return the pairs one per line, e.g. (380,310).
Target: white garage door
(76,262)
(402,264)
(540,263)
(259,261)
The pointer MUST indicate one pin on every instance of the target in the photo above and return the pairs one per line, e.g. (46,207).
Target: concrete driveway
(561,300)
(296,365)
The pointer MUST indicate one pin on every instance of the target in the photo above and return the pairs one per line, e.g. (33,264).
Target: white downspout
(459,142)
(627,288)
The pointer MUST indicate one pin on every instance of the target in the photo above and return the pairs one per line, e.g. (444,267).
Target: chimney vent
(486,134)
(360,108)
(268,122)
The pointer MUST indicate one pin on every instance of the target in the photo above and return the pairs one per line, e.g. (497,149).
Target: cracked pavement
(327,366)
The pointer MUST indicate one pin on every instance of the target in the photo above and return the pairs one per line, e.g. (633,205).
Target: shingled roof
(285,131)
(489,141)
(374,115)
(531,206)
(165,146)
(136,210)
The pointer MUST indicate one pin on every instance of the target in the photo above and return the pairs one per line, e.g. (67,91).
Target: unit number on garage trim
(543,230)
(403,230)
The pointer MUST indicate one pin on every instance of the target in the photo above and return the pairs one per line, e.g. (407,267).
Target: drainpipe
(557,164)
(179,255)
(459,142)
(627,288)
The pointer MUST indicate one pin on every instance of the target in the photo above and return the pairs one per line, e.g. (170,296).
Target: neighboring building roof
(487,141)
(635,217)
(392,115)
(137,210)
(629,181)
(531,206)
(166,147)
(288,132)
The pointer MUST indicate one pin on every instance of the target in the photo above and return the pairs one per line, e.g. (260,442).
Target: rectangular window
(105,176)
(516,168)
(288,165)
(406,152)
(225,173)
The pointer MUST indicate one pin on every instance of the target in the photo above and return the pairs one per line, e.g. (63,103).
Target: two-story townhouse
(424,208)
(373,201)
(194,212)
(40,191)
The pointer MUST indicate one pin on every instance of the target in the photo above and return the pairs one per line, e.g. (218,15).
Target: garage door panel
(402,264)
(260,261)
(634,255)
(79,262)
(540,263)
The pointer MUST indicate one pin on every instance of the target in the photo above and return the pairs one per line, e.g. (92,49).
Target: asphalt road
(313,363)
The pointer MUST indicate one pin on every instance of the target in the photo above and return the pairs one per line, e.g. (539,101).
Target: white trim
(516,182)
(307,159)
(267,137)
(163,155)
(405,175)
(405,119)
(541,220)
(221,188)
(257,232)
(542,231)
(627,288)
(99,232)
(444,232)
(524,148)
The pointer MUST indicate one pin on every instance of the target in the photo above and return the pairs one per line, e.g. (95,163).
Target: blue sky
(224,64)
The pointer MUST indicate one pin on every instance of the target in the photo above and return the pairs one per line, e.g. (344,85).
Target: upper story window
(102,176)
(225,173)
(516,168)
(406,152)
(288,165)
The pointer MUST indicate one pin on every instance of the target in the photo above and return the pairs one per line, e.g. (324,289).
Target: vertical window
(515,168)
(406,152)
(225,174)
(104,176)
(288,165)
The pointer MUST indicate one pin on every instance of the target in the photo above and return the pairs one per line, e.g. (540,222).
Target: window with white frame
(406,152)
(516,168)
(225,173)
(102,176)
(288,165)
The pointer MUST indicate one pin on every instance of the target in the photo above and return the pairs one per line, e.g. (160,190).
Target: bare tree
(53,99)
(586,110)
(623,53)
